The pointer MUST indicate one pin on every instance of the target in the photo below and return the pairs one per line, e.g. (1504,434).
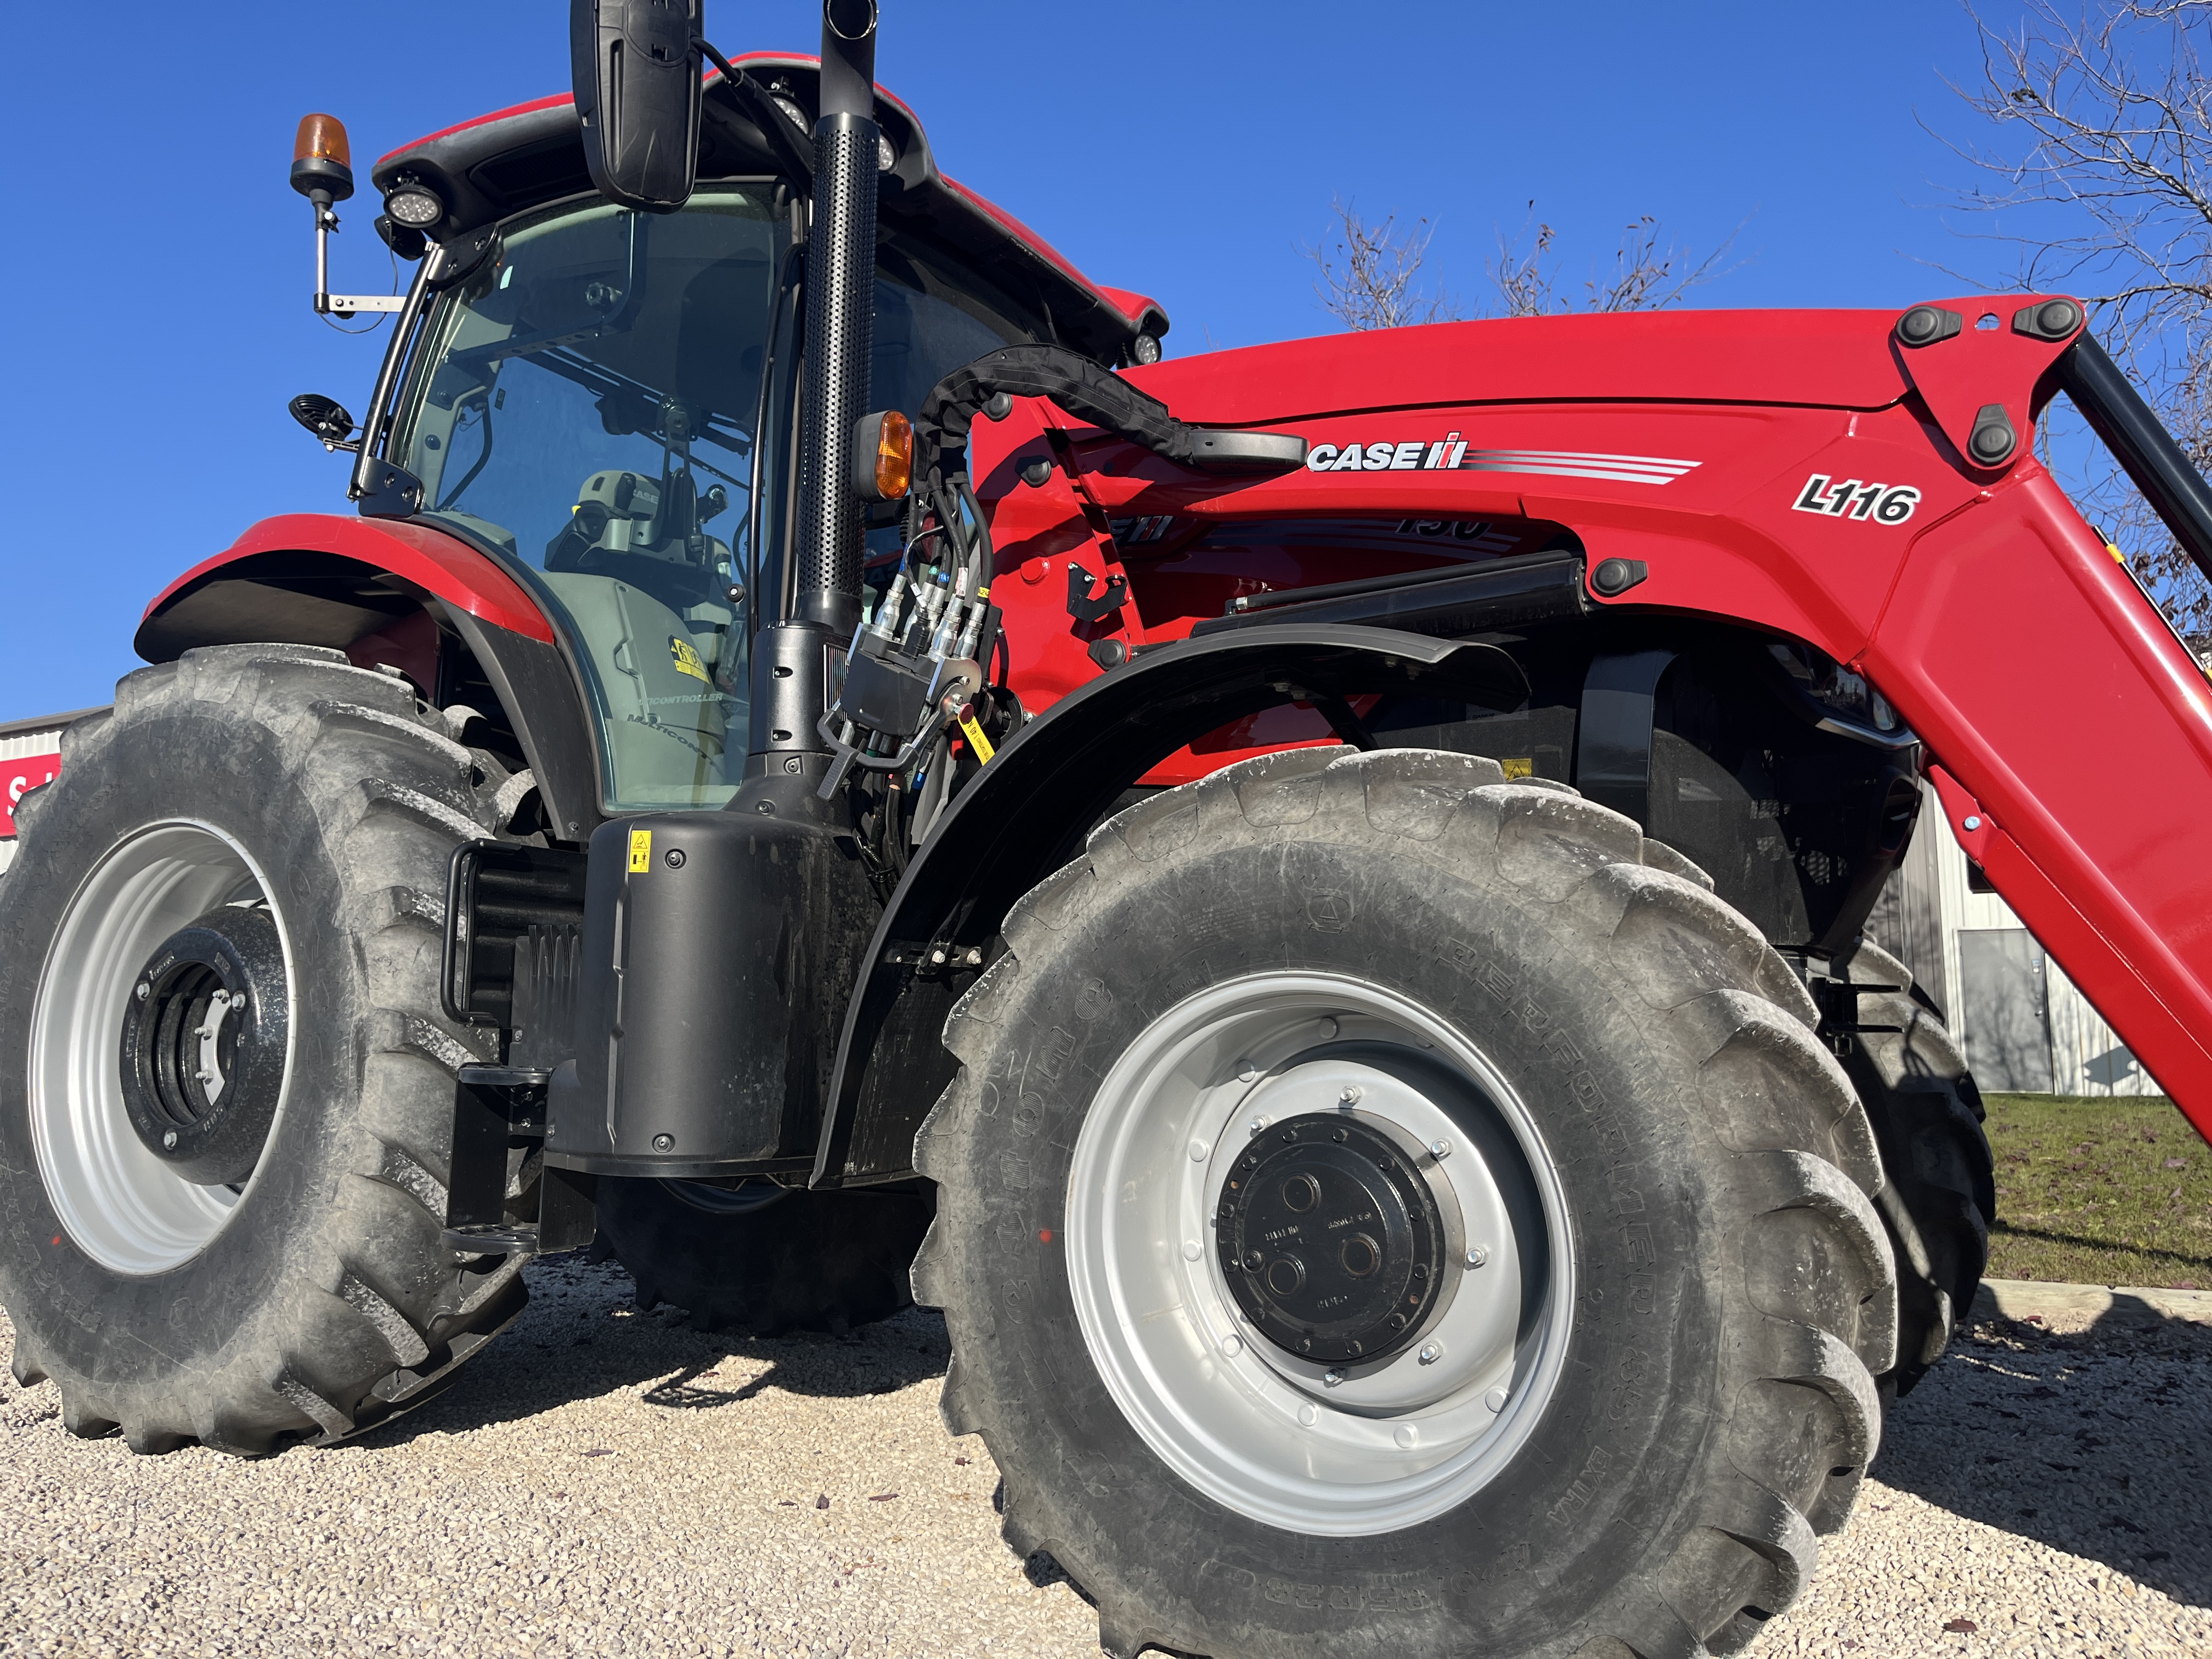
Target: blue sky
(157,291)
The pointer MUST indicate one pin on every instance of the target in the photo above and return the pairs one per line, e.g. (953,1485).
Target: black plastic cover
(718,951)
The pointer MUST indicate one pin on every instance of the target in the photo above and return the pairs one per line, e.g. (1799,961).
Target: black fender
(1027,813)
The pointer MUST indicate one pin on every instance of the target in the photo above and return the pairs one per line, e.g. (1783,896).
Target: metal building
(2025,1028)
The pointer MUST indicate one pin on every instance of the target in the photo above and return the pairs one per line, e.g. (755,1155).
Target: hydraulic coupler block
(719,950)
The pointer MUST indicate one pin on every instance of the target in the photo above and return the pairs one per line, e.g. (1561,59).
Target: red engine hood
(1840,359)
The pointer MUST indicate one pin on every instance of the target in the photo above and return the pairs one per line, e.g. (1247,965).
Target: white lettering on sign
(17,779)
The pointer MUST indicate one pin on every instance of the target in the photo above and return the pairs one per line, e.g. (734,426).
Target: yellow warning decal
(640,851)
(976,740)
(1518,769)
(688,660)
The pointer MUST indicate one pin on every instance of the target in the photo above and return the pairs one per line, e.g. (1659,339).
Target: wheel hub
(1181,1173)
(1330,1240)
(204,1045)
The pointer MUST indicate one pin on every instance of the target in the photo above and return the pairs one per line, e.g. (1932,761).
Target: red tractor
(1311,898)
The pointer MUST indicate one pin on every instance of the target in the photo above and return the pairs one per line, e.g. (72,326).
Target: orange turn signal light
(883,456)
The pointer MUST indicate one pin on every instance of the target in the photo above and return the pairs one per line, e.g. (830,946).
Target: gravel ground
(605,1482)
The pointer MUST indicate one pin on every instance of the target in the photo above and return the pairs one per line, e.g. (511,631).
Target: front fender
(299,578)
(1027,813)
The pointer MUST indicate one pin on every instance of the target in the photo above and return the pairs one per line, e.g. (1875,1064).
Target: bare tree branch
(2103,134)
(1370,272)
(1648,274)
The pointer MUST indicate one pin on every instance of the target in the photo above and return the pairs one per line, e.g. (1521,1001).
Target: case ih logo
(1450,453)
(18,777)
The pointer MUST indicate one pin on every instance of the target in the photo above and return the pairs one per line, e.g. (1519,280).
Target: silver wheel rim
(122,1205)
(1251,1425)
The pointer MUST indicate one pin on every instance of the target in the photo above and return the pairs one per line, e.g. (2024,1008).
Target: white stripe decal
(1452,454)
(1593,455)
(1578,464)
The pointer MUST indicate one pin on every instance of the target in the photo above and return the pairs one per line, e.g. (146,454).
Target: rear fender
(321,578)
(1027,813)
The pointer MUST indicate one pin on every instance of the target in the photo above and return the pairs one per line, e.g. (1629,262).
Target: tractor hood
(500,164)
(1841,359)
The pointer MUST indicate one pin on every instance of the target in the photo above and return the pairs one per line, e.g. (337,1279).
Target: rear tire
(315,1296)
(1705,1295)
(1941,1194)
(772,1259)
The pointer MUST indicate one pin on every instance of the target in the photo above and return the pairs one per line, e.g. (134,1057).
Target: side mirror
(636,66)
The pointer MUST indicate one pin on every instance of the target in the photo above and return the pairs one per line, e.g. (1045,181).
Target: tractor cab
(607,400)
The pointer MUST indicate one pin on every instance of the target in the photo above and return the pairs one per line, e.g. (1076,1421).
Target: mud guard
(1027,813)
(286,580)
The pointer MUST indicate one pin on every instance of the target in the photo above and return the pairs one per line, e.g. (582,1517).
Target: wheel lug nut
(1350,1095)
(1330,1379)
(1256,1126)
(1253,1262)
(1440,1149)
(1430,1353)
(1477,1254)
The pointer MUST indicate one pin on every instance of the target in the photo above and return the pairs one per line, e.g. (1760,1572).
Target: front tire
(1666,1404)
(291,1281)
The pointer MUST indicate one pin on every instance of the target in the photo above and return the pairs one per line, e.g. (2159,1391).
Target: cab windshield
(591,403)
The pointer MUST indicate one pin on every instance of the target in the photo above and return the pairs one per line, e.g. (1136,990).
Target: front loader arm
(2070,736)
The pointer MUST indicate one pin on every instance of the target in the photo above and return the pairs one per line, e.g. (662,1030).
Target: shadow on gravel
(582,1336)
(2097,1443)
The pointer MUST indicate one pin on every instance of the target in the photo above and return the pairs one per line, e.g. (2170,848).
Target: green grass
(2099,1192)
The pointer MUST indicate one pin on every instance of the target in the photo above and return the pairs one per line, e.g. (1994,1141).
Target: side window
(589,407)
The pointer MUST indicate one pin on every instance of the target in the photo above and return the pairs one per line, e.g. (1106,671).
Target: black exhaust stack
(787,756)
(840,279)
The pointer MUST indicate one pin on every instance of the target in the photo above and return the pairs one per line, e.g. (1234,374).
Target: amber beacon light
(322,161)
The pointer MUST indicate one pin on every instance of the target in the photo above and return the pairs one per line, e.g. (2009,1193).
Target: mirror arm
(756,105)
